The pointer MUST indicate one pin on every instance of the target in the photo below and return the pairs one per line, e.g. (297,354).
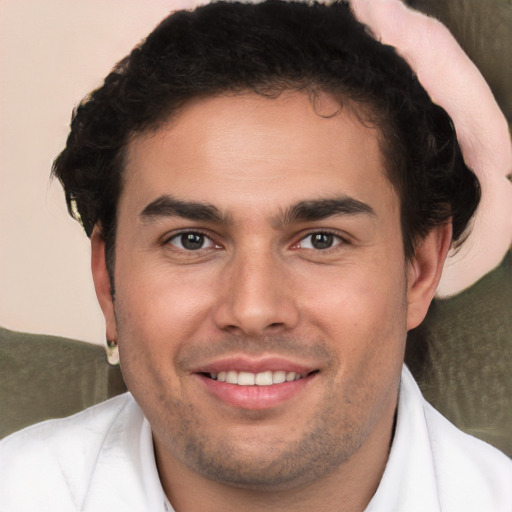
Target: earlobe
(424,272)
(102,282)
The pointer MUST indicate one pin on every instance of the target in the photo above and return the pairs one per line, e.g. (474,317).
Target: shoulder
(468,469)
(469,474)
(59,455)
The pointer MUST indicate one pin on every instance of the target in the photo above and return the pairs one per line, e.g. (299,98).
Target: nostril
(233,329)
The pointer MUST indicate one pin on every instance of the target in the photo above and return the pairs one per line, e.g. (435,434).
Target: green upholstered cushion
(44,377)
(461,356)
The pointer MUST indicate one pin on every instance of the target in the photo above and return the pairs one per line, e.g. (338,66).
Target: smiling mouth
(267,378)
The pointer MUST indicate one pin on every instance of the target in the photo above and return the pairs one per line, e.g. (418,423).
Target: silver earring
(112,352)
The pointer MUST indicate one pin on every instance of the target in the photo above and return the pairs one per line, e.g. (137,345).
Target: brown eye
(191,241)
(320,241)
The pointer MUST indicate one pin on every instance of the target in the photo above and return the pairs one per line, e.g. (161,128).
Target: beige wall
(52,53)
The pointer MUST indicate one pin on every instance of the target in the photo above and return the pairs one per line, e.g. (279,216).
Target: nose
(256,296)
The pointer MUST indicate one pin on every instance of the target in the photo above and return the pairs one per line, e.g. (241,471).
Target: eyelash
(176,236)
(340,241)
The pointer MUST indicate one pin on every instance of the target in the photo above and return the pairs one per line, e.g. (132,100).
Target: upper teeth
(255,379)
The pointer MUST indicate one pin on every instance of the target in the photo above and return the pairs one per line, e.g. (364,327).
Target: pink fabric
(455,83)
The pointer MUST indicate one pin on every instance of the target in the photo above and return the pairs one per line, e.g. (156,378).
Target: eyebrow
(310,210)
(319,209)
(167,206)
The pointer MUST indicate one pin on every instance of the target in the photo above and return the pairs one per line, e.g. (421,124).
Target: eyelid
(167,239)
(343,239)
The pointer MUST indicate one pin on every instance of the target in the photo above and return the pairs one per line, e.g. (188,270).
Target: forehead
(246,150)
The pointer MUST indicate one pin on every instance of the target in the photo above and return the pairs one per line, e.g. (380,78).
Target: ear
(424,272)
(102,282)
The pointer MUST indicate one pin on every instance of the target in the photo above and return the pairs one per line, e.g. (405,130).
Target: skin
(259,291)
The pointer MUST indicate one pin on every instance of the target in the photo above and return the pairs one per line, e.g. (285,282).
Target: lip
(244,364)
(255,397)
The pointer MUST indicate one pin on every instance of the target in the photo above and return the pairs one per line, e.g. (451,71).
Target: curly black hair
(269,48)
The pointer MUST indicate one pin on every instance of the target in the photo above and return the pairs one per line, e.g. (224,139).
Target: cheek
(363,316)
(356,300)
(158,313)
(364,321)
(155,298)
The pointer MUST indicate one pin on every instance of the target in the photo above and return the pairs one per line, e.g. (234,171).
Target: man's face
(260,242)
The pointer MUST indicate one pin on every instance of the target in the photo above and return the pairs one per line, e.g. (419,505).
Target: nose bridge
(255,297)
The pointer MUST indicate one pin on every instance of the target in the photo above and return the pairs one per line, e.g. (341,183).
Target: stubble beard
(259,463)
(335,431)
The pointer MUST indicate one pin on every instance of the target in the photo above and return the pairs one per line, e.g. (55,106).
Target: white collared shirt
(102,459)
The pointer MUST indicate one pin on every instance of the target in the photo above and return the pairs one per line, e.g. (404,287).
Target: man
(270,196)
